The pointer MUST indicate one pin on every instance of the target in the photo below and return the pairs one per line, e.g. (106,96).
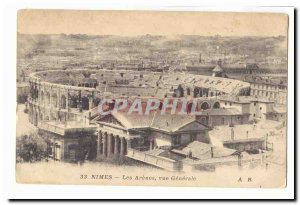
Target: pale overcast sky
(131,23)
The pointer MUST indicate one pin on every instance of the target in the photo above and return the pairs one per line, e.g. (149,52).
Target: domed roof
(217,69)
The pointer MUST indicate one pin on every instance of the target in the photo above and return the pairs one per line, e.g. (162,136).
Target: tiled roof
(245,99)
(257,131)
(171,122)
(166,122)
(190,80)
(202,150)
(155,120)
(221,111)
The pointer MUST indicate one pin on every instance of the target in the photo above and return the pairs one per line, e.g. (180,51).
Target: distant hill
(59,50)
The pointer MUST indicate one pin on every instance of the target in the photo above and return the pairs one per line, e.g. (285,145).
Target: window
(176,140)
(204,106)
(225,103)
(254,104)
(216,105)
(260,108)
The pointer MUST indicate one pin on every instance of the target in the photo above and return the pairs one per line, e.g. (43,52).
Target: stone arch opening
(204,106)
(63,102)
(196,92)
(41,116)
(216,105)
(42,96)
(96,102)
(73,101)
(48,98)
(189,107)
(85,103)
(179,91)
(54,100)
(188,91)
(53,116)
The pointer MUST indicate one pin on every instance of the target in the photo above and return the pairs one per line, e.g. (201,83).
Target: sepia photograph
(152,98)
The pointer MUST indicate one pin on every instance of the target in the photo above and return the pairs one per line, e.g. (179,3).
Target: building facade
(272,91)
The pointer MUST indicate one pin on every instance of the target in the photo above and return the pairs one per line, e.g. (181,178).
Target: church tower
(218,71)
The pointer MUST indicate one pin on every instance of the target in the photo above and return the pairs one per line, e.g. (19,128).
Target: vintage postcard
(152,98)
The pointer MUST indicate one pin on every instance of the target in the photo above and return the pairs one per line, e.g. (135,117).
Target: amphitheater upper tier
(134,83)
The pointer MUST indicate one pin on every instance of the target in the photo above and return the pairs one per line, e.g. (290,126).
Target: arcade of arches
(195,92)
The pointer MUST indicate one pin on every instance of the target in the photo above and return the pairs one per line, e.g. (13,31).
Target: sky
(132,23)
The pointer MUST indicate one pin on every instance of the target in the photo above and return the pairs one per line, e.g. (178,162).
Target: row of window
(264,93)
(267,87)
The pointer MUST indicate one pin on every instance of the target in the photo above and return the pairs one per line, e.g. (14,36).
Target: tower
(218,71)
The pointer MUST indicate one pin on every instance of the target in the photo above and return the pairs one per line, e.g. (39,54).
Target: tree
(22,98)
(31,148)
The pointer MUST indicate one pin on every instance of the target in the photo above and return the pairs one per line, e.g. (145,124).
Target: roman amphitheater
(67,95)
(63,105)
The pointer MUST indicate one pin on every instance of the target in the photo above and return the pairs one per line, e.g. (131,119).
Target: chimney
(232,134)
